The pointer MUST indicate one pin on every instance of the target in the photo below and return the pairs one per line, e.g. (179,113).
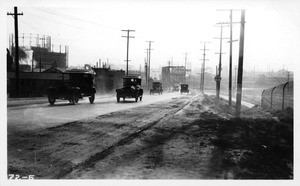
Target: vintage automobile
(73,86)
(131,88)
(175,88)
(156,88)
(184,88)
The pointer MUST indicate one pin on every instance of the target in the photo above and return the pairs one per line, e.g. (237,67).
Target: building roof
(52,70)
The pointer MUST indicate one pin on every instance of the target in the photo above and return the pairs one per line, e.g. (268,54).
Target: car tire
(75,98)
(92,98)
(51,98)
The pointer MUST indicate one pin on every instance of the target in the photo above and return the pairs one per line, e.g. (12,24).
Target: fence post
(283,94)
(272,97)
(262,99)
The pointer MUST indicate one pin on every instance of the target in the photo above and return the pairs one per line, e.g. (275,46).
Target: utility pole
(203,67)
(185,67)
(240,67)
(149,53)
(16,14)
(230,55)
(218,73)
(146,68)
(127,47)
(235,68)
(230,62)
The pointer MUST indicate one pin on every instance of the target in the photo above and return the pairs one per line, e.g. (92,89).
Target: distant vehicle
(184,88)
(175,88)
(74,86)
(156,88)
(131,88)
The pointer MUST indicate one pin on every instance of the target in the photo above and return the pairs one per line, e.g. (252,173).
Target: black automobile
(156,88)
(74,86)
(131,88)
(184,88)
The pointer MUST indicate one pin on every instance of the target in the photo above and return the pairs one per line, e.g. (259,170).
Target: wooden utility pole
(185,67)
(240,66)
(146,68)
(149,67)
(230,55)
(230,62)
(218,73)
(127,47)
(15,15)
(203,67)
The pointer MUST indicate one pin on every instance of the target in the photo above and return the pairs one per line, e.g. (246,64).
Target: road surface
(29,117)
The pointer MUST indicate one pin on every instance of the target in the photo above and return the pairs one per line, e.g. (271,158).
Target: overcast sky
(93,30)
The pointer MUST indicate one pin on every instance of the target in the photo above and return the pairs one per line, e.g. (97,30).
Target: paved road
(28,117)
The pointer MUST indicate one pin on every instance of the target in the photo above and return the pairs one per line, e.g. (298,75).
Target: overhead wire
(75,18)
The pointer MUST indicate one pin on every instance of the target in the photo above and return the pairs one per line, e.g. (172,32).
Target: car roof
(130,77)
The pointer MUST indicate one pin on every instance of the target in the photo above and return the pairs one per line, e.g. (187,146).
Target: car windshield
(131,81)
(79,78)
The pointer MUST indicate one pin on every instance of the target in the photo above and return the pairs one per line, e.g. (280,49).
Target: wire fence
(279,97)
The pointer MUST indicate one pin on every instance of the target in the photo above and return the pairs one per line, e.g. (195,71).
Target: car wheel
(51,99)
(75,98)
(92,98)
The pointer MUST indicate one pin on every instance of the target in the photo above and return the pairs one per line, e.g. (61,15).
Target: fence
(279,97)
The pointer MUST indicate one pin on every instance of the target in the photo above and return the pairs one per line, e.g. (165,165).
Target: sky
(93,31)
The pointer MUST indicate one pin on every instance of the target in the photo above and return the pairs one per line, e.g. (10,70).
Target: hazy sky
(93,30)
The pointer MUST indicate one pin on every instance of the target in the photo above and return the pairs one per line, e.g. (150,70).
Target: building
(107,80)
(37,53)
(172,75)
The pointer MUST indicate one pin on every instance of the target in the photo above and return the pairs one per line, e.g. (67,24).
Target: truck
(73,86)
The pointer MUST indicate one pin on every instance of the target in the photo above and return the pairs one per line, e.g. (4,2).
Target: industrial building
(36,53)
(172,75)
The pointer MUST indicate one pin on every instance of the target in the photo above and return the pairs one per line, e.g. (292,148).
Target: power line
(60,14)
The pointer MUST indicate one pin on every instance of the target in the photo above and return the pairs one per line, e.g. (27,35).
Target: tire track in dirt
(128,137)
(54,152)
